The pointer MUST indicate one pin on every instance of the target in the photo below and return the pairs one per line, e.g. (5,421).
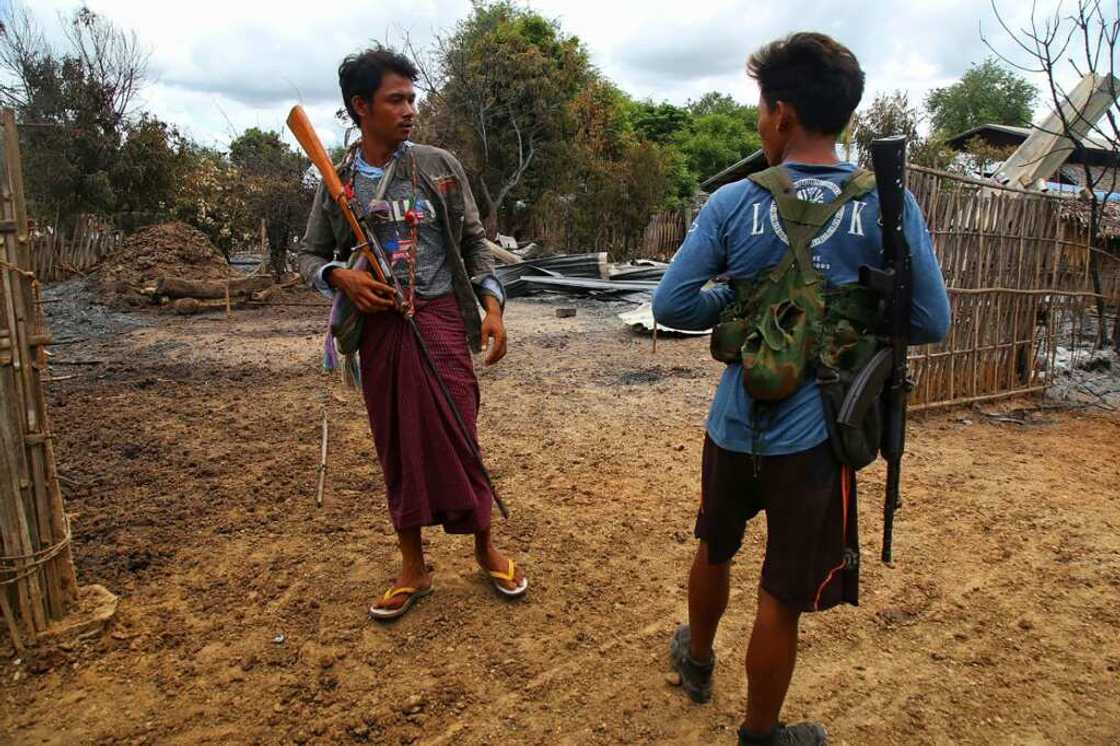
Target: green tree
(888,114)
(715,102)
(982,159)
(933,152)
(891,114)
(81,102)
(715,141)
(607,181)
(615,179)
(498,94)
(71,150)
(276,187)
(149,166)
(986,93)
(338,152)
(657,123)
(212,197)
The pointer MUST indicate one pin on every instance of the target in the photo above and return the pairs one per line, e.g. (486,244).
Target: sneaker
(798,734)
(696,677)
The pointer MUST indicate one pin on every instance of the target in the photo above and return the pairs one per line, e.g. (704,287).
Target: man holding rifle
(412,331)
(799,406)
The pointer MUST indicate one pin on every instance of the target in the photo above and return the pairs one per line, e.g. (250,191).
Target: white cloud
(221,66)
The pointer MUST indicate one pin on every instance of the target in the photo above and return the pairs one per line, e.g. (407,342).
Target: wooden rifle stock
(305,134)
(309,140)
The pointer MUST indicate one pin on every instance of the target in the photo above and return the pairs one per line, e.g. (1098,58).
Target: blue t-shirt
(738,233)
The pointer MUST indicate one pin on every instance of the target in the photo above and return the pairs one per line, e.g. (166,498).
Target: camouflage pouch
(736,319)
(785,315)
(726,344)
(847,356)
(782,335)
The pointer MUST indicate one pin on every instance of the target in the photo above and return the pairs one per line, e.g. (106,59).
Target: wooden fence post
(37,580)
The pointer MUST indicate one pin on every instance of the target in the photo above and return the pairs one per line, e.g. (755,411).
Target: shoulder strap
(803,220)
(775,180)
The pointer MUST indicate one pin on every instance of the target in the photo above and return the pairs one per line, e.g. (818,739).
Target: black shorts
(812,537)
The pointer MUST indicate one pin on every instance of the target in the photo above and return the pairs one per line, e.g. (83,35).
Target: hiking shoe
(798,734)
(696,677)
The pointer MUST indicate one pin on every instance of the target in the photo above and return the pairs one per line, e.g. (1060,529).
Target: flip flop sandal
(414,595)
(509,574)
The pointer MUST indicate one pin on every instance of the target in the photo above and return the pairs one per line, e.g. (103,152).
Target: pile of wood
(189,297)
(174,265)
(129,276)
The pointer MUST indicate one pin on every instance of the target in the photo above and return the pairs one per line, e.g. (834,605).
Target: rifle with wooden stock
(367,243)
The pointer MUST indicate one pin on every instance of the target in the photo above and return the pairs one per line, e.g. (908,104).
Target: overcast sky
(218,67)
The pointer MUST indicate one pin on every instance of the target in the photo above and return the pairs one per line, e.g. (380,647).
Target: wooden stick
(322,461)
(1024,291)
(976,318)
(10,618)
(254,302)
(263,249)
(995,187)
(14,530)
(1013,356)
(983,397)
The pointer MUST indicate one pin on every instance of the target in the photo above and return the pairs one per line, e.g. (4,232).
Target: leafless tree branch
(1090,31)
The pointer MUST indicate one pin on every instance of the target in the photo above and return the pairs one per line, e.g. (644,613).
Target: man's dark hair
(815,74)
(360,74)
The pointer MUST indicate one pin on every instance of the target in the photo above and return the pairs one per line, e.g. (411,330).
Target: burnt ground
(189,449)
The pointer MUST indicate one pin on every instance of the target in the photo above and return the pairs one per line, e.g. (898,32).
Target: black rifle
(894,284)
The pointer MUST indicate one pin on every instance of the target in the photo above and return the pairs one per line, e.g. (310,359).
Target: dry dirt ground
(191,451)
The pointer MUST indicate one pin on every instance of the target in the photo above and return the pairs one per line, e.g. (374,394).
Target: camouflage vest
(784,321)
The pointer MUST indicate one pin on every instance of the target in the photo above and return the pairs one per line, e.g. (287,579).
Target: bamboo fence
(37,583)
(1020,286)
(55,257)
(660,239)
(664,234)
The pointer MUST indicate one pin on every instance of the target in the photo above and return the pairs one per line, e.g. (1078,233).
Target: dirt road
(191,454)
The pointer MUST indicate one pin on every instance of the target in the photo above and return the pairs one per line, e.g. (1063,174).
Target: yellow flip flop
(414,595)
(508,575)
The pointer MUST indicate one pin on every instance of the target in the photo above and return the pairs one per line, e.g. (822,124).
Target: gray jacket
(328,236)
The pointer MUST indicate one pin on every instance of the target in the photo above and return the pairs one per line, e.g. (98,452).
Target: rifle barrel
(888,157)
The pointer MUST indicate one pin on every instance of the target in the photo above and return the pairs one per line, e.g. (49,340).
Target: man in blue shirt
(777,459)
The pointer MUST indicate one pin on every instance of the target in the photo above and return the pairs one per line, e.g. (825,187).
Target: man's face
(391,114)
(774,128)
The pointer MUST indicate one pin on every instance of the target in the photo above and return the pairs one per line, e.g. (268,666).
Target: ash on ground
(1086,376)
(73,312)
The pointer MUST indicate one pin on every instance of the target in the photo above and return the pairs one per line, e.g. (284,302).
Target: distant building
(1103,162)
